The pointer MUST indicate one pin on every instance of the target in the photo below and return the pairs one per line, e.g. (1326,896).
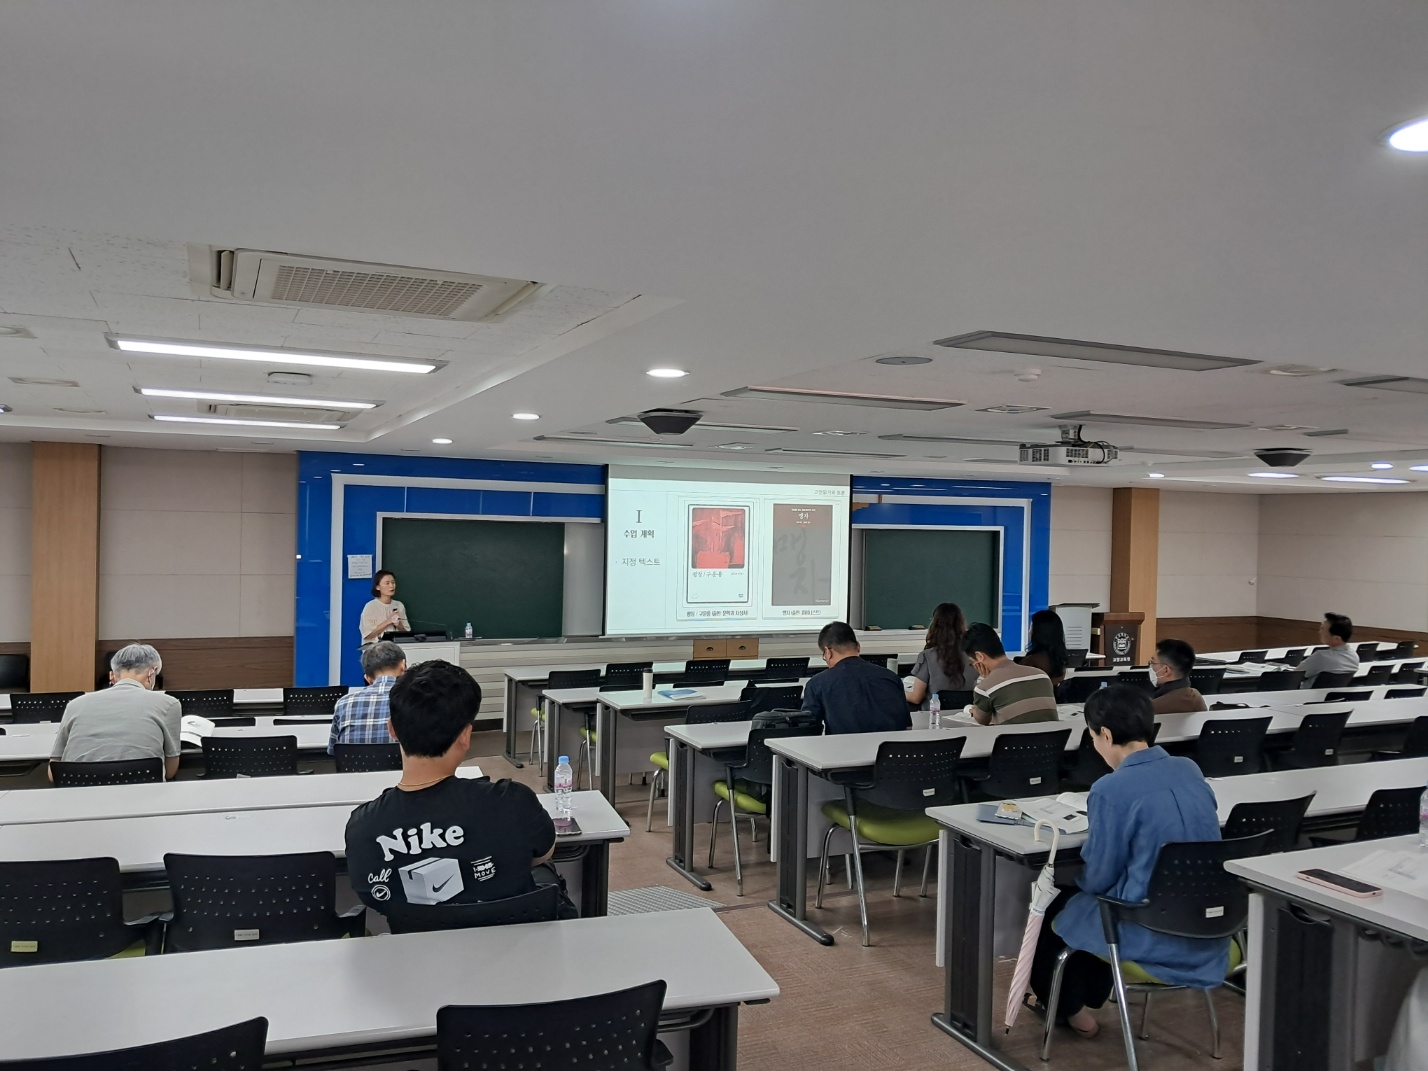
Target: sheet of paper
(1405,871)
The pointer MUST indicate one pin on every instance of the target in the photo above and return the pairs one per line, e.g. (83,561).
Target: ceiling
(758,194)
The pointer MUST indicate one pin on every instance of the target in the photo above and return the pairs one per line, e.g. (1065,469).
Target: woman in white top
(383,613)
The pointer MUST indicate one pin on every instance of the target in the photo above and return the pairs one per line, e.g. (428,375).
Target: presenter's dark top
(857,696)
(461,841)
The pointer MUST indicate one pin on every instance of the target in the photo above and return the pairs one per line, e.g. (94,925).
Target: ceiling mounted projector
(1282,458)
(669,421)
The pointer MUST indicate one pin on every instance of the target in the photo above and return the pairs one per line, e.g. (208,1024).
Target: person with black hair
(1046,646)
(1006,692)
(941,666)
(437,838)
(1170,674)
(1336,656)
(854,695)
(384,613)
(1148,800)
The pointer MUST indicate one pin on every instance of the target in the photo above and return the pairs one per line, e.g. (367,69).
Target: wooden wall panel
(1212,633)
(64,571)
(214,662)
(1135,556)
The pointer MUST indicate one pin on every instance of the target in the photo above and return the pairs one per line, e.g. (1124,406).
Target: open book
(1067,812)
(192,730)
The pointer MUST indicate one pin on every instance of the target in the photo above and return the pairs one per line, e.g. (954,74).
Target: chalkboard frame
(998,595)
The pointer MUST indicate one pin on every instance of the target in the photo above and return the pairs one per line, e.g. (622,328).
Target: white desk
(245,700)
(35,742)
(368,994)
(1280,652)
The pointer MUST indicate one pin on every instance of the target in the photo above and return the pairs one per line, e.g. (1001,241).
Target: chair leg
(1145,1017)
(858,867)
(1122,1009)
(823,862)
(1214,1023)
(654,791)
(714,829)
(734,828)
(1053,1001)
(897,874)
(848,871)
(926,868)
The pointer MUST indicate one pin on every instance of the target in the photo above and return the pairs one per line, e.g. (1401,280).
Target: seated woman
(1149,799)
(1046,646)
(941,666)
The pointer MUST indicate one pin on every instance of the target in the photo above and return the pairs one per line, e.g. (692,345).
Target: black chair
(1076,657)
(704,671)
(623,676)
(1086,766)
(1253,656)
(1379,674)
(878,659)
(310,719)
(1279,680)
(748,794)
(1281,819)
(28,708)
(1229,746)
(1405,649)
(1316,741)
(1190,894)
(362,758)
(1206,681)
(231,1048)
(1293,656)
(1346,697)
(205,702)
(540,905)
(121,772)
(705,714)
(1079,689)
(888,812)
(785,669)
(1415,744)
(1368,652)
(15,672)
(611,1031)
(574,678)
(953,699)
(1390,812)
(1021,764)
(787,697)
(225,901)
(1407,673)
(249,756)
(239,723)
(1405,693)
(1332,680)
(312,700)
(67,910)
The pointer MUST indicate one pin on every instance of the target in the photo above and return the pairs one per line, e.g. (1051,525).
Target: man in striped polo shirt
(1007,693)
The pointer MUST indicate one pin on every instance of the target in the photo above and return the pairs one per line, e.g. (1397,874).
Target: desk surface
(139,843)
(325,994)
(33,743)
(1280,652)
(848,751)
(242,697)
(626,702)
(28,805)
(1393,911)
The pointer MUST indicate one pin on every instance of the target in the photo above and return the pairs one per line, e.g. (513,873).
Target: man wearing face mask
(1170,674)
(128,720)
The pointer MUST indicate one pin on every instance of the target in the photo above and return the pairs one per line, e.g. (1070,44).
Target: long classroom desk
(377,997)
(140,843)
(1280,652)
(245,700)
(33,742)
(968,851)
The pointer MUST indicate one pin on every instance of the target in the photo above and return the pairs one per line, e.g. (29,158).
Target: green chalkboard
(908,571)
(506,577)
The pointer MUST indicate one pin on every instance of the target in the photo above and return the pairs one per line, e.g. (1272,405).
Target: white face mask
(1150,671)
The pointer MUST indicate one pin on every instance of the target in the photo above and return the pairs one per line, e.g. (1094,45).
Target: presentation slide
(693,551)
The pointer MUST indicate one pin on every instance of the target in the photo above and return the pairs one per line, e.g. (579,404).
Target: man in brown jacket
(1170,672)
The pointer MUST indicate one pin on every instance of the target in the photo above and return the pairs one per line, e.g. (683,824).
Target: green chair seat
(745,802)
(661,761)
(883,824)
(538,714)
(138,948)
(590,736)
(1135,974)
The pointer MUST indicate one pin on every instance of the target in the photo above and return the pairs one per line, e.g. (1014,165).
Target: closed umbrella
(1042,893)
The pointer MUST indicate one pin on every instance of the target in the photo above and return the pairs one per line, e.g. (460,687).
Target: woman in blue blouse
(1149,799)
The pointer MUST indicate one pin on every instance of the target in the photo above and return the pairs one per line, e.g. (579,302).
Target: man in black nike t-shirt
(436,838)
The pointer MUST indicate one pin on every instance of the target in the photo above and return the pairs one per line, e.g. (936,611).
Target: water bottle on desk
(1423,819)
(934,711)
(564,782)
(470,632)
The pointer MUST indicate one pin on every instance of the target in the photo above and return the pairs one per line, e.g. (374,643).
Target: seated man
(854,695)
(127,720)
(1006,693)
(436,838)
(1148,800)
(1335,631)
(361,717)
(1170,673)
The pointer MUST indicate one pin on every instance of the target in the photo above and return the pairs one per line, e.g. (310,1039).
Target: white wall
(1365,555)
(15,541)
(1209,554)
(1081,545)
(196,543)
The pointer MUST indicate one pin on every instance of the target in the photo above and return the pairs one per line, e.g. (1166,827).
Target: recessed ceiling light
(1155,475)
(1298,370)
(261,442)
(441,442)
(243,423)
(1014,409)
(41,381)
(15,331)
(833,397)
(1361,479)
(1274,475)
(667,373)
(290,379)
(208,350)
(525,416)
(252,399)
(1100,352)
(838,433)
(903,359)
(1410,137)
(1381,465)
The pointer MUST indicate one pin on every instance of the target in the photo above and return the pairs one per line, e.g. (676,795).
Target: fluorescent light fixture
(41,381)
(1274,475)
(829,453)
(231,421)
(1402,384)
(212,351)
(1155,475)
(1419,468)
(1015,409)
(613,442)
(1085,416)
(1381,465)
(1287,427)
(1322,433)
(1298,371)
(252,399)
(667,373)
(834,432)
(525,416)
(1361,479)
(1099,352)
(441,442)
(833,397)
(15,331)
(1410,137)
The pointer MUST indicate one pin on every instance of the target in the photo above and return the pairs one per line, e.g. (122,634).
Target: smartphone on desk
(1339,883)
(566,826)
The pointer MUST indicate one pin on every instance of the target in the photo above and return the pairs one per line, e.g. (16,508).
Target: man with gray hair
(127,720)
(361,716)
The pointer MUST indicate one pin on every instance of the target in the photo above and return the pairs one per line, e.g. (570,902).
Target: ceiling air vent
(285,279)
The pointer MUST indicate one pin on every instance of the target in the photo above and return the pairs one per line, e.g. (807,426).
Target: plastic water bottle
(1423,819)
(934,711)
(564,782)
(470,632)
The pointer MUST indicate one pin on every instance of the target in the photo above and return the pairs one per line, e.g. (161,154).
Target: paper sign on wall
(359,567)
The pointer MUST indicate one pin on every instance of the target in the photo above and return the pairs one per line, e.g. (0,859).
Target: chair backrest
(249,756)
(229,1048)
(1293,656)
(910,775)
(1076,657)
(244,722)
(1316,741)
(1416,742)
(226,901)
(778,669)
(879,659)
(1280,680)
(1391,812)
(1026,764)
(1347,696)
(205,702)
(1404,649)
(1191,894)
(540,905)
(1407,673)
(1281,819)
(624,676)
(708,713)
(786,697)
(312,700)
(119,772)
(357,758)
(611,1031)
(1332,680)
(1079,689)
(1207,681)
(1253,656)
(704,670)
(953,699)
(1379,674)
(1231,746)
(757,766)
(574,678)
(15,671)
(1087,767)
(70,909)
(1405,693)
(31,707)
(1368,652)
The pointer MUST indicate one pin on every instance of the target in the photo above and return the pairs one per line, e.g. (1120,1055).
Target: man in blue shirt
(854,695)
(361,717)
(1148,800)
